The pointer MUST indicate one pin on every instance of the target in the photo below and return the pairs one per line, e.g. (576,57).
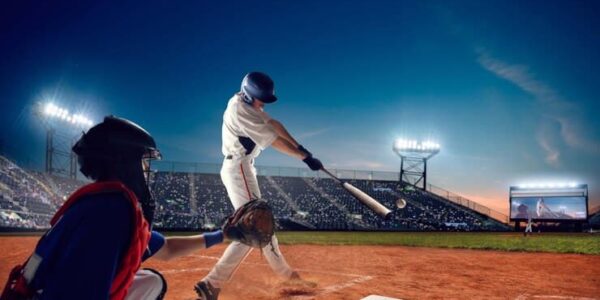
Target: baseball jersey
(83,250)
(244,128)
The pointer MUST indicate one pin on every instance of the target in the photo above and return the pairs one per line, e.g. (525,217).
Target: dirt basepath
(354,272)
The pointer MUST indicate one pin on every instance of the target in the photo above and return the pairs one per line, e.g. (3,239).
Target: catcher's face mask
(147,159)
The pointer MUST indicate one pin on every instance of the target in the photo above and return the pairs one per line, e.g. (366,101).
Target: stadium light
(427,146)
(548,185)
(413,159)
(53,111)
(60,125)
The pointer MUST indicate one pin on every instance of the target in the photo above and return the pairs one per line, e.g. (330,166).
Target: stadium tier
(198,201)
(26,198)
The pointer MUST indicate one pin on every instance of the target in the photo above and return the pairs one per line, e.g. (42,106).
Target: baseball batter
(247,130)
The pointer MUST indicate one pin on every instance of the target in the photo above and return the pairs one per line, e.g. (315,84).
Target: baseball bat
(362,197)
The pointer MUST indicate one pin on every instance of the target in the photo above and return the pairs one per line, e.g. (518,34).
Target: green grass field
(546,242)
(582,243)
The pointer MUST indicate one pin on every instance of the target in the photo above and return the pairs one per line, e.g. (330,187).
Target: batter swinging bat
(362,197)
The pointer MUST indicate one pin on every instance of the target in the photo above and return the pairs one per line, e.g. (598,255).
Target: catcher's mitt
(252,224)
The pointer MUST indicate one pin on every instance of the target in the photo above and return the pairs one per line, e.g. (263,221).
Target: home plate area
(377,297)
(255,280)
(359,272)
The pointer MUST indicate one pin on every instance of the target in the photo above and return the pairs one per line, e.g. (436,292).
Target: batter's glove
(313,163)
(252,224)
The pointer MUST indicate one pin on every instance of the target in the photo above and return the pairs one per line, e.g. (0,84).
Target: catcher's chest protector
(17,285)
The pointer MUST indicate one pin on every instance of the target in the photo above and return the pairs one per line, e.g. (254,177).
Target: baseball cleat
(296,281)
(206,291)
(295,276)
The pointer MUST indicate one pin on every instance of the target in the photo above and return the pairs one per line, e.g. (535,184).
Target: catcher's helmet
(257,85)
(117,138)
(115,150)
(114,140)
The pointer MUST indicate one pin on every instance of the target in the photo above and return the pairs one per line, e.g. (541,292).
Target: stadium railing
(208,168)
(467,203)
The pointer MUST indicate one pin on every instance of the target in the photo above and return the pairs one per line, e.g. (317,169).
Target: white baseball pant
(239,177)
(147,284)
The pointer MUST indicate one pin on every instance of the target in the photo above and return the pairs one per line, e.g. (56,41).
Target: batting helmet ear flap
(244,91)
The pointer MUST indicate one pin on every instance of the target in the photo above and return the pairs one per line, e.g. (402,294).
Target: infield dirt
(354,272)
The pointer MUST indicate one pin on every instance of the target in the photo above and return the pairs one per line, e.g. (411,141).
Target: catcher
(102,233)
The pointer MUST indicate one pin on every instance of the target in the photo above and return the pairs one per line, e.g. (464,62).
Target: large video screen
(548,208)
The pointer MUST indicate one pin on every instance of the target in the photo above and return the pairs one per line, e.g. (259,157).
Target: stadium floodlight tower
(413,160)
(62,129)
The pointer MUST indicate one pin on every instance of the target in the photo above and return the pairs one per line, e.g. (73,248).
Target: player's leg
(229,262)
(234,177)
(237,182)
(271,252)
(147,284)
(276,260)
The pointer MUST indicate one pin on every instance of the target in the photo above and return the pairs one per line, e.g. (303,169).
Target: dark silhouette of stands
(196,201)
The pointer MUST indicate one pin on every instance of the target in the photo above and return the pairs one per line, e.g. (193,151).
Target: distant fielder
(246,131)
(528,227)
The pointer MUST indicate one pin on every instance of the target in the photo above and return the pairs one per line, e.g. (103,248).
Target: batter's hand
(313,163)
(303,150)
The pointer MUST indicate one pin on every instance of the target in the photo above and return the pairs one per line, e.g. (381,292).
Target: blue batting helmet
(257,85)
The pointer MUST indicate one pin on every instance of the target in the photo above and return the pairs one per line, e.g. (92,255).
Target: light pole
(413,160)
(60,124)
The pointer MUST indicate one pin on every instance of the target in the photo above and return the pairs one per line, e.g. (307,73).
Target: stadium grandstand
(191,197)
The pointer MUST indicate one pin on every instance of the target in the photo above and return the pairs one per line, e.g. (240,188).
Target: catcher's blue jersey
(81,253)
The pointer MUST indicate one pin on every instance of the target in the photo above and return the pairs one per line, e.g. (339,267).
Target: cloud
(571,131)
(524,79)
(358,164)
(560,115)
(545,139)
(309,134)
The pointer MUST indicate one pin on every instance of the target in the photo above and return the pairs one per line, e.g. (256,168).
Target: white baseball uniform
(245,134)
(529,222)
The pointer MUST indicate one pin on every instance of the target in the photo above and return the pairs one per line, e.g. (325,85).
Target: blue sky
(508,88)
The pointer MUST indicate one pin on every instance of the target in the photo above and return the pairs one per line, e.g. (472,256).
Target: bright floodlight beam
(53,111)
(416,146)
(548,185)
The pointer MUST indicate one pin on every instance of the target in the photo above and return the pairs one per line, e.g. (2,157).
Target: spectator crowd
(196,201)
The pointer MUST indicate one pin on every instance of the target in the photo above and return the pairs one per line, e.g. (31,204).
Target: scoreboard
(549,203)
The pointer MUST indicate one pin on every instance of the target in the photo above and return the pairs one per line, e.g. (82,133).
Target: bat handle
(331,175)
